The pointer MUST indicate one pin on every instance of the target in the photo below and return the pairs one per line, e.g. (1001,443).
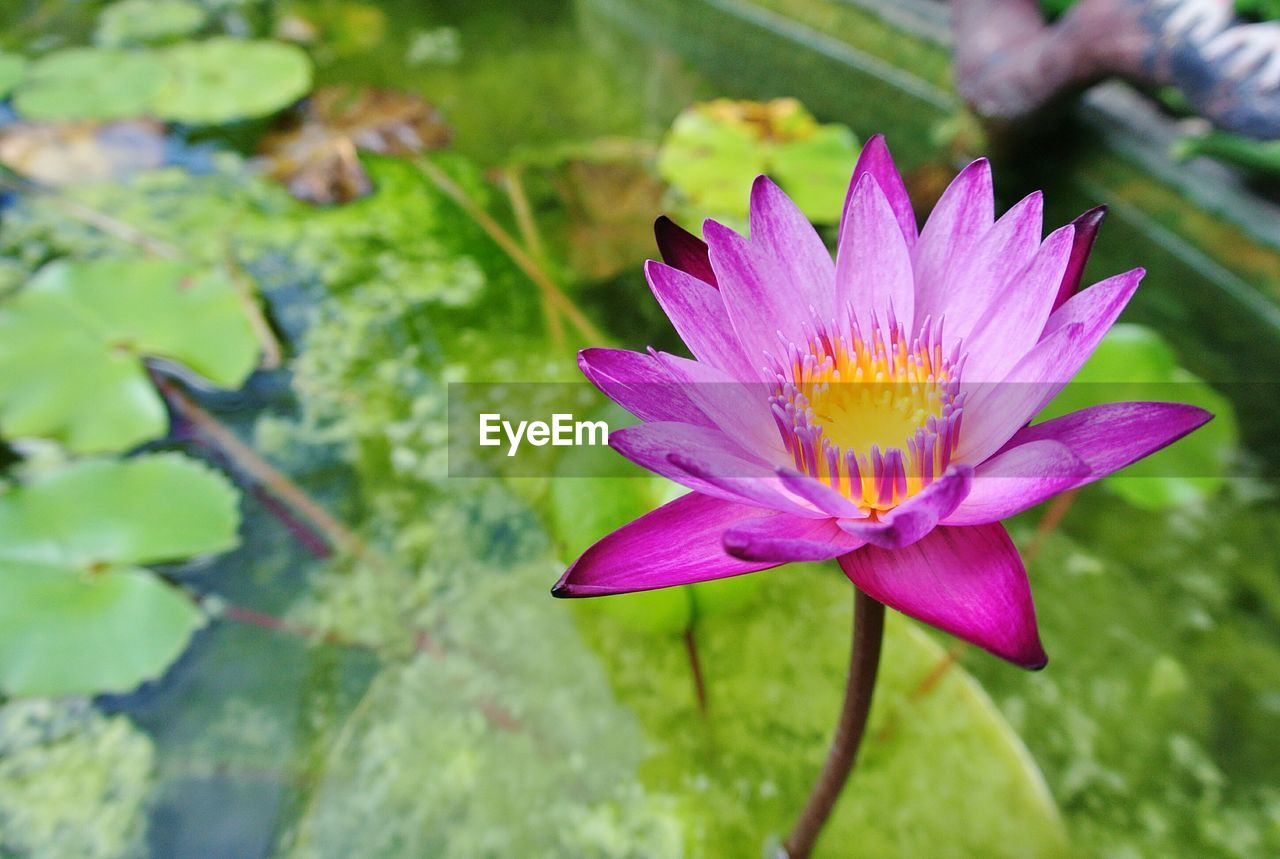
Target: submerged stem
(864,661)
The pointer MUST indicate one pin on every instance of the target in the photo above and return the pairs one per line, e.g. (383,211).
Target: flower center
(875,416)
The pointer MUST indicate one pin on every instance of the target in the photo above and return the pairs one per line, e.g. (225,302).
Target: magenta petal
(819,494)
(781,539)
(1018,311)
(963,216)
(917,516)
(764,316)
(876,161)
(873,265)
(1112,436)
(781,231)
(683,250)
(740,409)
(990,268)
(641,385)
(1086,230)
(678,544)
(696,310)
(1102,301)
(967,581)
(1016,479)
(719,473)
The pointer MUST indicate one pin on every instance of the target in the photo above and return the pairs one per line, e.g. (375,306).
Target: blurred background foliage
(245,611)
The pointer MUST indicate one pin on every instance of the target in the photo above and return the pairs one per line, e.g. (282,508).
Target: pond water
(418,693)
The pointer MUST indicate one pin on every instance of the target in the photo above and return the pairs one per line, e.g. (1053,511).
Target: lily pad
(1135,363)
(941,773)
(715,149)
(72,343)
(66,153)
(12,69)
(77,613)
(90,83)
(143,22)
(222,79)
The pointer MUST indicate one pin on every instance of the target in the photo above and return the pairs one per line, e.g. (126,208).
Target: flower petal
(678,544)
(741,409)
(764,317)
(1016,479)
(967,581)
(641,385)
(708,461)
(819,494)
(876,161)
(696,310)
(873,265)
(1018,312)
(989,267)
(1104,300)
(781,231)
(1112,436)
(782,538)
(683,250)
(1086,230)
(963,216)
(918,515)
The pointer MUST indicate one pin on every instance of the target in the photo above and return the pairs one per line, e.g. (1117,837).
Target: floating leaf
(77,615)
(78,152)
(1134,363)
(72,343)
(222,79)
(12,69)
(142,22)
(940,772)
(715,149)
(314,151)
(90,83)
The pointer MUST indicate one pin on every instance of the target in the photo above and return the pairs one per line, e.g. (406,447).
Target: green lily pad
(90,83)
(715,149)
(72,343)
(222,79)
(143,22)
(1135,363)
(941,773)
(77,615)
(12,69)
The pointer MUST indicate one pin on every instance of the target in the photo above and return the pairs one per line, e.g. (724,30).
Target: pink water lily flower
(876,408)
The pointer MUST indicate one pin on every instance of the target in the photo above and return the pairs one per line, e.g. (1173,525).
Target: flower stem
(695,666)
(864,661)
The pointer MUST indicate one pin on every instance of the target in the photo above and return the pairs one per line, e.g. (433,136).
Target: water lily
(874,409)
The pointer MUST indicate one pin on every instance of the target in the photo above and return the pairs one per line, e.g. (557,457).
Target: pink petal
(1104,300)
(765,316)
(1086,231)
(1112,436)
(873,266)
(963,216)
(706,461)
(740,409)
(995,412)
(781,231)
(819,494)
(989,267)
(683,250)
(678,544)
(918,515)
(641,385)
(1018,313)
(1016,479)
(967,581)
(875,160)
(782,538)
(696,310)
